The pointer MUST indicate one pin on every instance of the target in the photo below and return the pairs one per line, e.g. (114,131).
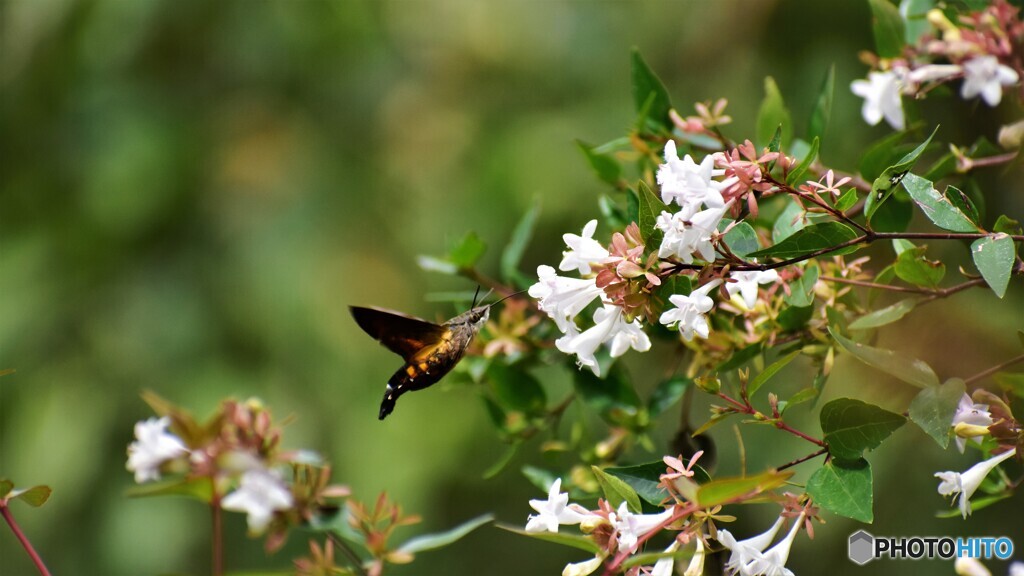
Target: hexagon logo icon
(861,547)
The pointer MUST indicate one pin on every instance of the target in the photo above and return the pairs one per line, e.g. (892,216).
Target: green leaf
(564,538)
(910,370)
(467,251)
(613,397)
(644,479)
(650,208)
(911,266)
(517,244)
(937,207)
(632,206)
(887,182)
(915,18)
(769,372)
(812,239)
(726,490)
(775,145)
(667,393)
(1006,225)
(843,488)
(649,92)
(441,539)
(772,115)
(616,491)
(895,215)
(1012,383)
(962,201)
(35,496)
(852,426)
(542,479)
(801,291)
(500,464)
(884,316)
(823,105)
(847,200)
(605,166)
(742,239)
(796,176)
(739,358)
(517,388)
(977,503)
(934,407)
(887,27)
(5,487)
(994,256)
(197,488)
(614,216)
(794,317)
(790,220)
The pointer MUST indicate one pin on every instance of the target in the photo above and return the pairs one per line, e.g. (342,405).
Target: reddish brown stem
(994,369)
(746,408)
(621,557)
(803,459)
(36,559)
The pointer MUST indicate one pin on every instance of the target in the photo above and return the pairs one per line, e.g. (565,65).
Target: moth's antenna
(509,296)
(475,294)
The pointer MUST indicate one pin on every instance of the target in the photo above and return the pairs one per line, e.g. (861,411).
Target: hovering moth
(430,350)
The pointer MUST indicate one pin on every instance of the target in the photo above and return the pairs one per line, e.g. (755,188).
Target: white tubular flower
(632,526)
(986,76)
(967,566)
(553,511)
(563,298)
(260,494)
(688,233)
(746,284)
(689,312)
(609,326)
(696,566)
(963,486)
(582,568)
(746,551)
(970,413)
(933,72)
(583,250)
(687,183)
(153,446)
(881,94)
(663,567)
(773,561)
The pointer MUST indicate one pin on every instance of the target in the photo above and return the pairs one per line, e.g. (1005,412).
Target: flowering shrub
(737,253)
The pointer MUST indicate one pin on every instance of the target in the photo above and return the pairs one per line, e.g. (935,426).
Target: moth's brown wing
(403,335)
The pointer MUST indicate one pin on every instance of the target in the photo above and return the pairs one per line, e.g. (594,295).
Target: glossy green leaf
(442,539)
(795,177)
(895,215)
(645,479)
(726,490)
(933,409)
(521,235)
(911,266)
(667,393)
(772,114)
(812,239)
(888,181)
(915,19)
(823,105)
(852,426)
(517,389)
(616,491)
(564,538)
(605,166)
(801,290)
(884,316)
(467,251)
(1006,225)
(794,317)
(844,488)
(765,375)
(847,200)
(651,207)
(994,256)
(742,240)
(937,207)
(35,496)
(775,145)
(649,92)
(909,370)
(887,28)
(963,202)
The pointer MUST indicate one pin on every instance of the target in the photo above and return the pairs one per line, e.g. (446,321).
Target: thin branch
(680,513)
(36,559)
(803,459)
(986,373)
(353,558)
(933,292)
(747,408)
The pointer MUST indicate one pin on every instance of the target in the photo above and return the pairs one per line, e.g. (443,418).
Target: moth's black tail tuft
(387,405)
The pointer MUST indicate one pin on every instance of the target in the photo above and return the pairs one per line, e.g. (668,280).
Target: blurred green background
(194,192)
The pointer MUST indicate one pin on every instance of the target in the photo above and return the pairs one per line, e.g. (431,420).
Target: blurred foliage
(193,192)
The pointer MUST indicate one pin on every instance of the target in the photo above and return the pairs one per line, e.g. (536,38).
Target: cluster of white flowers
(688,234)
(749,557)
(982,75)
(261,492)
